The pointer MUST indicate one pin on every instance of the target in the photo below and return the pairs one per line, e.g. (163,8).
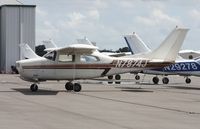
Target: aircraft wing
(77,49)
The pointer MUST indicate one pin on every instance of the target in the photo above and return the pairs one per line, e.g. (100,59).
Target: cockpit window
(51,55)
(89,58)
(66,58)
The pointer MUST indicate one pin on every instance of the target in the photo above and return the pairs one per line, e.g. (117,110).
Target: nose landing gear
(34,87)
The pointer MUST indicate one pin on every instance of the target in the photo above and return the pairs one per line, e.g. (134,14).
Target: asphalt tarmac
(129,105)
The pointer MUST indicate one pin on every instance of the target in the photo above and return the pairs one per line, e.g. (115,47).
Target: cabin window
(51,55)
(89,58)
(66,58)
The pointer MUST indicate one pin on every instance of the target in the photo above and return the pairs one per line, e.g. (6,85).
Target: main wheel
(77,87)
(109,78)
(69,86)
(165,80)
(188,80)
(117,77)
(155,80)
(137,77)
(34,87)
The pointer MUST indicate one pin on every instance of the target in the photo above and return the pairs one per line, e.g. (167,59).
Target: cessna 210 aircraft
(68,63)
(182,66)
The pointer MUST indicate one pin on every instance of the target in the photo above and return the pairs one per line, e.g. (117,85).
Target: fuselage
(181,67)
(55,66)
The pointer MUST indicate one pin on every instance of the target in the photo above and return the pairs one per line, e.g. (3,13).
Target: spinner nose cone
(18,65)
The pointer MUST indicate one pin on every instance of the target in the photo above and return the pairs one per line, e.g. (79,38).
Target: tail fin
(170,47)
(27,52)
(168,50)
(85,41)
(49,44)
(135,44)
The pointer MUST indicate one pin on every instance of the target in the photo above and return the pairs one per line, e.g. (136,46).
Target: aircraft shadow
(184,87)
(26,91)
(100,91)
(146,83)
(133,89)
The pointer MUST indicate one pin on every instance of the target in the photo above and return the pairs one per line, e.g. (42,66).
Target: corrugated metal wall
(17,26)
(0,39)
(3,40)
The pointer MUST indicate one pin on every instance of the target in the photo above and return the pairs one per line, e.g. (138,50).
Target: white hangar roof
(10,2)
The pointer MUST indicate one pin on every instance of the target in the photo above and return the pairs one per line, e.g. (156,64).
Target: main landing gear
(165,80)
(117,78)
(155,80)
(188,80)
(69,86)
(137,77)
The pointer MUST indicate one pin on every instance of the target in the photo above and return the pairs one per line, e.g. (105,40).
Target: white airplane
(189,54)
(66,64)
(182,66)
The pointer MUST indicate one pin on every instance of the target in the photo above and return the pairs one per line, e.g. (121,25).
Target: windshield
(51,55)
(89,58)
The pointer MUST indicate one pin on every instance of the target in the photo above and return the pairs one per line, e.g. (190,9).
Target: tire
(69,86)
(117,82)
(188,80)
(34,87)
(117,77)
(137,77)
(155,80)
(77,87)
(109,78)
(165,80)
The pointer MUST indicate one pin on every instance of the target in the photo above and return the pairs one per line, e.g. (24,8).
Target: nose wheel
(34,87)
(69,86)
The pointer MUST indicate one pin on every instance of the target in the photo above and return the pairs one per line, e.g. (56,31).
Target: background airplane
(189,54)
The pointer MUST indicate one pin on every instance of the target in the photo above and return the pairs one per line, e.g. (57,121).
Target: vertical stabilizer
(135,44)
(170,47)
(27,52)
(49,44)
(85,41)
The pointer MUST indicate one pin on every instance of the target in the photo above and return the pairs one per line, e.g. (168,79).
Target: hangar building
(17,25)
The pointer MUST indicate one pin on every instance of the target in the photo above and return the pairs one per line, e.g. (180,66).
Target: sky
(106,21)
